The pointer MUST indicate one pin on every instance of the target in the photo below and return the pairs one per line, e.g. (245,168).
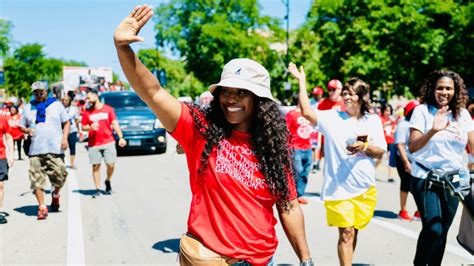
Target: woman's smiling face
(444,91)
(238,107)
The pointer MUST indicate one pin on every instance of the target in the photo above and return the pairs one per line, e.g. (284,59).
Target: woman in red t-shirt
(389,125)
(238,159)
(14,122)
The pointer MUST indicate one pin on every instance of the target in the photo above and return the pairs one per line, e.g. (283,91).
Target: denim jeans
(302,163)
(244,263)
(437,209)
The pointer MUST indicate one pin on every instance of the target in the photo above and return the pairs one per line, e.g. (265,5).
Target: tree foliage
(209,33)
(5,31)
(390,44)
(29,64)
(179,81)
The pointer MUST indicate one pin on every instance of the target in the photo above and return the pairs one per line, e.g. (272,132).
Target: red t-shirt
(328,104)
(4,128)
(389,127)
(232,207)
(14,123)
(104,117)
(300,129)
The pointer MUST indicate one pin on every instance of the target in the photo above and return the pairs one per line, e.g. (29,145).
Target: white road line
(75,240)
(411,234)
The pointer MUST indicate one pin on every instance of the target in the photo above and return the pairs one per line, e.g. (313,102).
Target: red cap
(334,84)
(317,91)
(410,106)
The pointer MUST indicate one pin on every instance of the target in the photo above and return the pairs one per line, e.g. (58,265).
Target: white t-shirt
(73,113)
(347,176)
(402,135)
(446,149)
(48,135)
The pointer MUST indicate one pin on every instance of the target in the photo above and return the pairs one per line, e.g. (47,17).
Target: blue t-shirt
(47,135)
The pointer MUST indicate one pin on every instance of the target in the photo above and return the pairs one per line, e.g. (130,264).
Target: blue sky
(83,30)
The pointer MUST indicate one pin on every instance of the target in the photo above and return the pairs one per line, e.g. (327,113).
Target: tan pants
(193,252)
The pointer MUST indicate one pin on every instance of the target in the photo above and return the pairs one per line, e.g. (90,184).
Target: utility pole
(287,32)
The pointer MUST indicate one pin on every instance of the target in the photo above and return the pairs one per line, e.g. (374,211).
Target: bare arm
(418,140)
(470,142)
(404,157)
(10,149)
(64,142)
(118,130)
(370,150)
(165,106)
(303,98)
(292,222)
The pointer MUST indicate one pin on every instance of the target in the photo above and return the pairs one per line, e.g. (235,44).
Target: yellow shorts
(355,212)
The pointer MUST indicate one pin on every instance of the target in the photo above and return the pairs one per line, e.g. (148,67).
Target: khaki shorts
(47,166)
(107,151)
(356,212)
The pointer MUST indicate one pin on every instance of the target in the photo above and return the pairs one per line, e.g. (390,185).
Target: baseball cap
(334,84)
(317,91)
(38,85)
(244,73)
(410,106)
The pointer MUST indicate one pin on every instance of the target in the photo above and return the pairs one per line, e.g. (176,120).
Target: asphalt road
(142,221)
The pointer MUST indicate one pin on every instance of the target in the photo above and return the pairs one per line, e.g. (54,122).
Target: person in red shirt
(334,101)
(6,145)
(389,125)
(14,123)
(238,159)
(300,130)
(99,120)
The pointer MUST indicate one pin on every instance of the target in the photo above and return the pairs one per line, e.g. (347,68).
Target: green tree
(24,68)
(5,31)
(29,64)
(390,44)
(209,33)
(179,81)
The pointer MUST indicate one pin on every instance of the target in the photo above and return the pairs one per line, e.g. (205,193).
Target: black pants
(18,146)
(437,208)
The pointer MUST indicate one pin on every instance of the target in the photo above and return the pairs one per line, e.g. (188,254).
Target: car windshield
(124,101)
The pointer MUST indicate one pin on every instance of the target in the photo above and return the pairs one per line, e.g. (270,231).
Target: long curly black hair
(459,99)
(270,138)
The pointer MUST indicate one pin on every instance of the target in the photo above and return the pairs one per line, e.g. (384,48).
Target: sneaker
(403,215)
(302,201)
(108,187)
(42,212)
(55,202)
(96,194)
(417,216)
(3,218)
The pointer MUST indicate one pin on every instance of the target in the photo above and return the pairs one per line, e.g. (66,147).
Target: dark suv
(141,129)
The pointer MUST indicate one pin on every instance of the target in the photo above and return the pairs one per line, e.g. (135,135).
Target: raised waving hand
(303,99)
(127,31)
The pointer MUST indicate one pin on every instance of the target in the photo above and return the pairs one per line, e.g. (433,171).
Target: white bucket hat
(244,73)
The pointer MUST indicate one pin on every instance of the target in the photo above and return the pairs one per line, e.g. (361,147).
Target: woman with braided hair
(238,159)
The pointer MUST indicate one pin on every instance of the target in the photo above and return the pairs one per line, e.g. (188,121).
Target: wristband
(366,145)
(308,262)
